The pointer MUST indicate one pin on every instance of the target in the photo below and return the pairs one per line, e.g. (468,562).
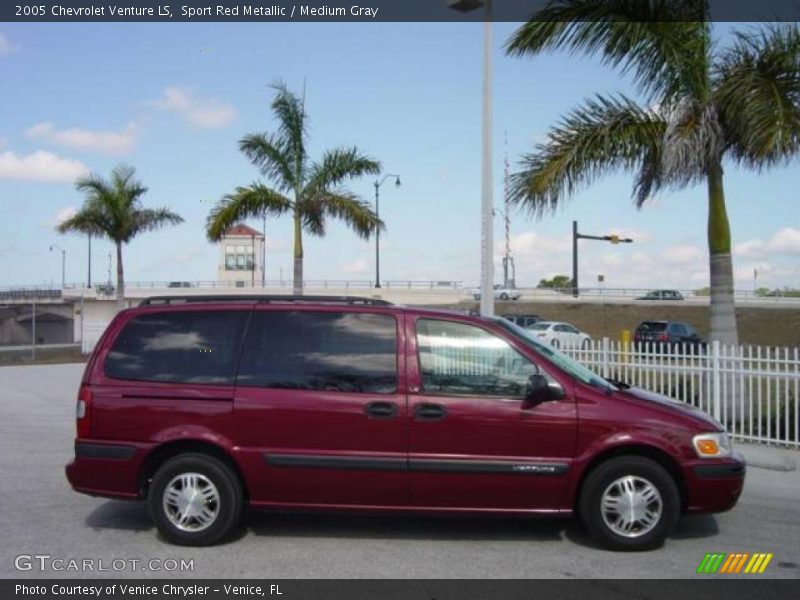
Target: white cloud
(110,142)
(6,47)
(783,241)
(40,166)
(360,265)
(207,113)
(786,240)
(686,254)
(61,215)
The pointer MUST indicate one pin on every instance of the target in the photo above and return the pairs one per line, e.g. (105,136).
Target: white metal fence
(752,390)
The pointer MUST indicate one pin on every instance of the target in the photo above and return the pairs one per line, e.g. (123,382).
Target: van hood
(642,395)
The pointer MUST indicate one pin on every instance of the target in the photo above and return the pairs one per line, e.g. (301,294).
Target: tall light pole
(613,238)
(264,254)
(378,184)
(487,203)
(89,265)
(63,262)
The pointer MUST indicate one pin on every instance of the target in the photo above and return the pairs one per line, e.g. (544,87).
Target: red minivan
(204,405)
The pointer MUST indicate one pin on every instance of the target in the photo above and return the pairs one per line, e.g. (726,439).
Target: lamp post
(264,253)
(487,204)
(63,262)
(378,184)
(613,238)
(89,265)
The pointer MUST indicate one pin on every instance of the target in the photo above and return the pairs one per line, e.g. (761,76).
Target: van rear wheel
(630,503)
(195,500)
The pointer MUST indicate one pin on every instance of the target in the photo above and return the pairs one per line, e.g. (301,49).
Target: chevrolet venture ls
(202,406)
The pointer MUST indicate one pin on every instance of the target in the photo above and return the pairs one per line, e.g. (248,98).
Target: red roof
(241,229)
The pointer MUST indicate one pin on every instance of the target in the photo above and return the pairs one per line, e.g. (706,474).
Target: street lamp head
(397,181)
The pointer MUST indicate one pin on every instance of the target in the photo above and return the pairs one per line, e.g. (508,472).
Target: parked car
(500,293)
(672,335)
(203,406)
(560,335)
(523,320)
(662,295)
(180,284)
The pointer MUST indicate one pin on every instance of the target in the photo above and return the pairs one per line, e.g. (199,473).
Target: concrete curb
(774,459)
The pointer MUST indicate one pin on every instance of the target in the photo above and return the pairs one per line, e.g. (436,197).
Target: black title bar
(330,11)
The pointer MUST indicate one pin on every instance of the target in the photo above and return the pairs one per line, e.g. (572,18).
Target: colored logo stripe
(758,563)
(721,562)
(711,563)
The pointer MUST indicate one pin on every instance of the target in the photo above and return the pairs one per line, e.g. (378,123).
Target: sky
(173,99)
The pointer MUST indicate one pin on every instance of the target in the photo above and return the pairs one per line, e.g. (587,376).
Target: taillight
(83,412)
(663,337)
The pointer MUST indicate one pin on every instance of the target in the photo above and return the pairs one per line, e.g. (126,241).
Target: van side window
(460,359)
(179,347)
(325,351)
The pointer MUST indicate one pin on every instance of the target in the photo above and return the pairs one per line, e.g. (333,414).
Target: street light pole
(487,203)
(63,262)
(89,264)
(613,238)
(378,184)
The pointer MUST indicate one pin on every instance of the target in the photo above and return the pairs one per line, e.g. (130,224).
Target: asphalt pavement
(41,516)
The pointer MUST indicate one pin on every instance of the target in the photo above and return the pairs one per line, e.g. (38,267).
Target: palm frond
(246,202)
(757,92)
(338,165)
(291,126)
(84,221)
(606,134)
(348,208)
(126,187)
(268,152)
(693,141)
(150,219)
(664,43)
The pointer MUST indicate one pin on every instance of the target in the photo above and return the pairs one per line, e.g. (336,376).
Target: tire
(605,480)
(207,475)
(555,344)
(585,344)
(503,296)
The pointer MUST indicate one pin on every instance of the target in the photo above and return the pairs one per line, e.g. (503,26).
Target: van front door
(474,442)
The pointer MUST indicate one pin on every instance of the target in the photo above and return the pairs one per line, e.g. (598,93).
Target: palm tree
(704,106)
(112,209)
(309,191)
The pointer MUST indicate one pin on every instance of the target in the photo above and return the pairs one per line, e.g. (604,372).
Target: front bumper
(714,486)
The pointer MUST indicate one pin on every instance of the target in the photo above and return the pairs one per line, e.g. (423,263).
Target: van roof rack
(278,299)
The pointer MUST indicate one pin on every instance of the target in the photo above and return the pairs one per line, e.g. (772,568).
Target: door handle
(381,410)
(430,412)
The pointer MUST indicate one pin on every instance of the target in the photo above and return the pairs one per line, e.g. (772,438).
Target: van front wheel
(195,500)
(630,503)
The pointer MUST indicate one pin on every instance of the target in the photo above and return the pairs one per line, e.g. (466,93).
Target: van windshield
(562,361)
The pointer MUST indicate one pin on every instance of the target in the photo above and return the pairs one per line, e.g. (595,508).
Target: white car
(560,335)
(500,293)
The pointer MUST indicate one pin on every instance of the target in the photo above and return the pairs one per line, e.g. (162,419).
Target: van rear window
(323,351)
(180,347)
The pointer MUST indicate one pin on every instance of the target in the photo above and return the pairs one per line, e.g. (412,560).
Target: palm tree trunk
(120,279)
(723,311)
(298,254)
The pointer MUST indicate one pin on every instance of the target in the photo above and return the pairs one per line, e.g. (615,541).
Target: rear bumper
(714,486)
(110,470)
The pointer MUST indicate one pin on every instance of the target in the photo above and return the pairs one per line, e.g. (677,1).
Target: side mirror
(539,390)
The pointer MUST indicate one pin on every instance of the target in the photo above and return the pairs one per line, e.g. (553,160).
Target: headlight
(712,445)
